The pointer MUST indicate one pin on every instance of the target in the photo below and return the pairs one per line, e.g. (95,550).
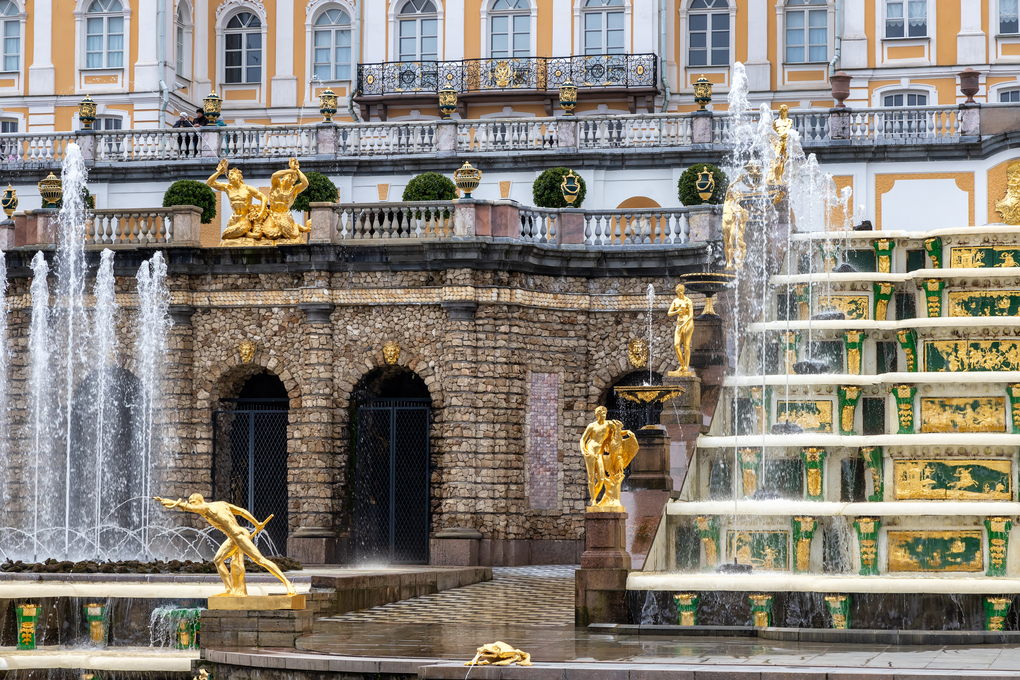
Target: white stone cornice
(255,5)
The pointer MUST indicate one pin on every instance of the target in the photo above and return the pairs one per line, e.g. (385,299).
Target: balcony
(417,83)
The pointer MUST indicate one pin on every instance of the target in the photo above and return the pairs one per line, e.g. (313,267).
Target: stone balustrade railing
(119,227)
(576,135)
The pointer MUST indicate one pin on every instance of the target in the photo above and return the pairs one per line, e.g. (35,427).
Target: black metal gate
(391,485)
(250,464)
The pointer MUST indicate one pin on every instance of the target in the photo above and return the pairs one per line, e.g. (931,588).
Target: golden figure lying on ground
(220,515)
(270,222)
(499,654)
(683,309)
(607,449)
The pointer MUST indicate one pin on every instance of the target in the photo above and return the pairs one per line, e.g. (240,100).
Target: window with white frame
(1009,17)
(807,35)
(180,35)
(8,126)
(331,58)
(510,29)
(708,34)
(603,27)
(11,25)
(242,56)
(1009,96)
(419,31)
(906,18)
(104,34)
(900,99)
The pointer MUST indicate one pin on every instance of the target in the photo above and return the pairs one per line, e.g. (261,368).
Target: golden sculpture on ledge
(734,222)
(268,223)
(607,449)
(782,126)
(1009,205)
(238,545)
(499,654)
(683,309)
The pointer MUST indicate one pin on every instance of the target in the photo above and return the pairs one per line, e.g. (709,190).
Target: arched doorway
(390,417)
(633,416)
(250,455)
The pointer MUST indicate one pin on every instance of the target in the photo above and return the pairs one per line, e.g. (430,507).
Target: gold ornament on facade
(391,352)
(268,223)
(683,309)
(607,449)
(499,654)
(239,544)
(467,178)
(51,189)
(637,353)
(247,351)
(1009,205)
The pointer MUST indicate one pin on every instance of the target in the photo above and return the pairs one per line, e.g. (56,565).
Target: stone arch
(604,377)
(410,359)
(231,373)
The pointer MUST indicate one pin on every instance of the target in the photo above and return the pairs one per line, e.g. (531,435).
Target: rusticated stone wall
(477,337)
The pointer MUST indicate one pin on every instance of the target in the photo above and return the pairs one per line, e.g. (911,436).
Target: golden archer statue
(246,220)
(608,449)
(220,515)
(683,309)
(287,184)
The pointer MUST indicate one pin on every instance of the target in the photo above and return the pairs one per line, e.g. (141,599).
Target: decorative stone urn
(840,81)
(969,84)
(327,105)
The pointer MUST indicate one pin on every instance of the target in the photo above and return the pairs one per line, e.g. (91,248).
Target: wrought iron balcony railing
(494,75)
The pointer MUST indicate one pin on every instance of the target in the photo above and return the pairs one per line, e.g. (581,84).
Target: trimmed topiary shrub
(430,186)
(320,190)
(687,186)
(546,192)
(190,192)
(87,198)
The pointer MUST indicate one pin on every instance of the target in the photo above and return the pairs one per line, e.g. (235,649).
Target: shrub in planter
(190,192)
(688,190)
(320,190)
(430,186)
(546,191)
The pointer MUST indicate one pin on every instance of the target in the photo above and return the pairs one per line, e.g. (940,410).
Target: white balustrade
(538,225)
(920,124)
(274,141)
(638,131)
(123,226)
(637,226)
(377,139)
(509,134)
(147,145)
(35,147)
(388,221)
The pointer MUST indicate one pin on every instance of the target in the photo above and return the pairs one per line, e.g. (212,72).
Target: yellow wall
(472,29)
(947,25)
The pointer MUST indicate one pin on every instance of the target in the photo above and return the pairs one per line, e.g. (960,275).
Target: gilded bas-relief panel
(813,416)
(987,256)
(854,306)
(760,549)
(963,414)
(935,551)
(984,303)
(971,355)
(953,480)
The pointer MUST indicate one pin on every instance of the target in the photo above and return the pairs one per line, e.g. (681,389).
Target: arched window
(182,24)
(510,29)
(807,35)
(332,53)
(242,57)
(709,33)
(911,13)
(603,27)
(12,36)
(419,31)
(104,34)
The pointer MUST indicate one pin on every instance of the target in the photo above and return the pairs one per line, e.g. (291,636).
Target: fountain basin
(776,582)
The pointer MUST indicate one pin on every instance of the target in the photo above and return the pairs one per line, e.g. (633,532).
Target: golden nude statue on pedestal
(683,309)
(782,127)
(268,223)
(607,449)
(734,222)
(220,515)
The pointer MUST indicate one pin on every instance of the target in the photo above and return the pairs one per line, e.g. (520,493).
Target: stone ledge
(861,636)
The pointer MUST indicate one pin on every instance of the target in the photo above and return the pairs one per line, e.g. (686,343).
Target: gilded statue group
(735,213)
(257,219)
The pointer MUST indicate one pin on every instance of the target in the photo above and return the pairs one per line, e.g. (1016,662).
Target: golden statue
(246,220)
(286,185)
(608,449)
(782,126)
(499,654)
(220,515)
(1009,205)
(734,222)
(683,309)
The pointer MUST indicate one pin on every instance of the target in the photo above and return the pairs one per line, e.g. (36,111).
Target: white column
(970,41)
(854,46)
(758,67)
(374,31)
(40,73)
(562,18)
(645,36)
(283,84)
(203,84)
(453,18)
(146,24)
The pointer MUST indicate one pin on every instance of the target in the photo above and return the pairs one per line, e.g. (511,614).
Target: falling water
(39,392)
(104,358)
(4,382)
(650,294)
